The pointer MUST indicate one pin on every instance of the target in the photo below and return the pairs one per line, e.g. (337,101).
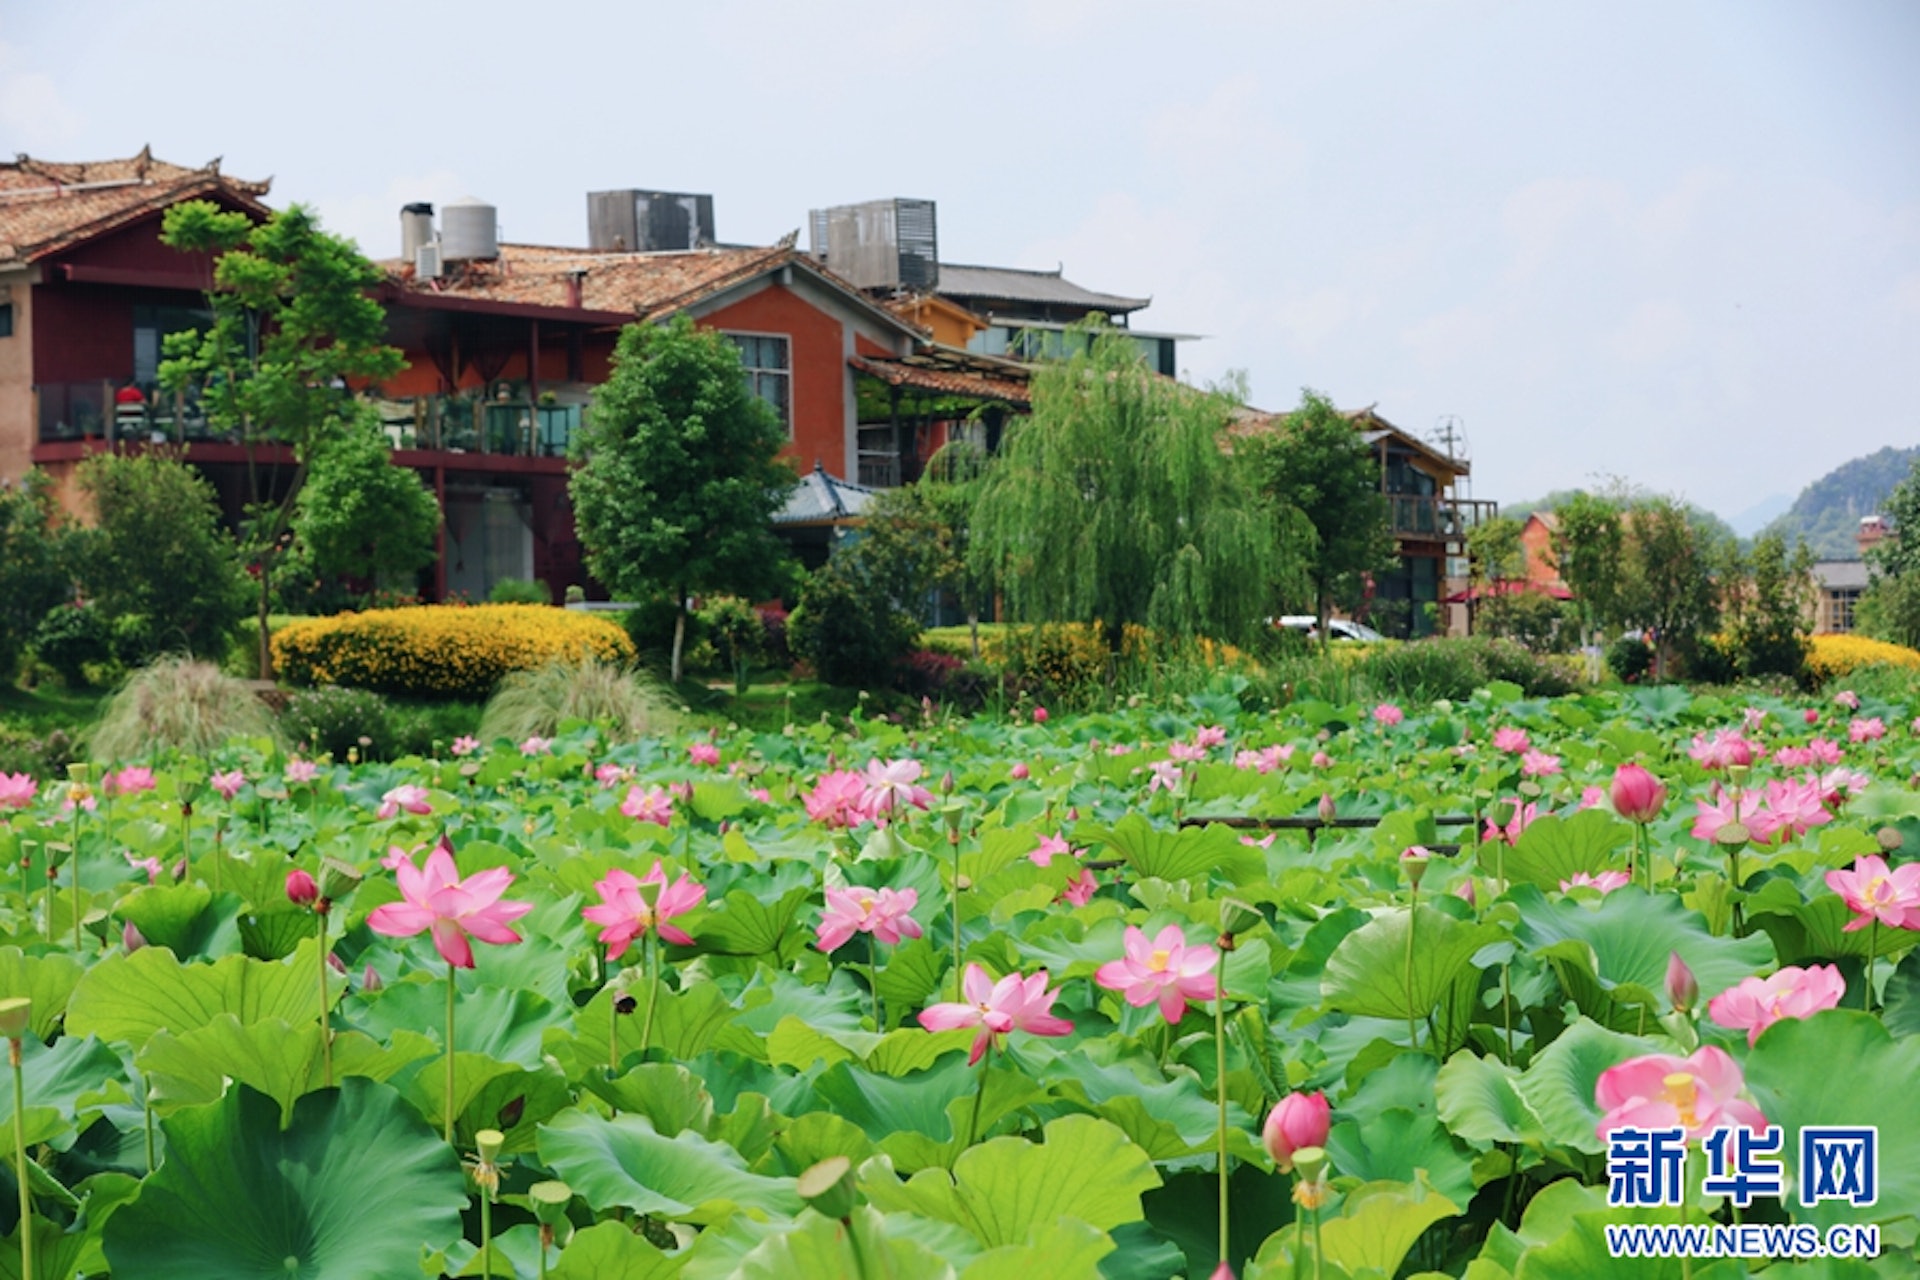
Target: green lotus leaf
(56,1080)
(1402,1146)
(1553,848)
(283,1062)
(625,1161)
(124,999)
(820,1248)
(1479,1101)
(743,925)
(611,1251)
(1187,854)
(1557,1085)
(1367,973)
(47,980)
(356,1186)
(671,1097)
(1004,1190)
(502,1024)
(1068,1249)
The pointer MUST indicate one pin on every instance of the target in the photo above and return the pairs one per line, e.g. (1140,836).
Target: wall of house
(1536,540)
(17,425)
(821,380)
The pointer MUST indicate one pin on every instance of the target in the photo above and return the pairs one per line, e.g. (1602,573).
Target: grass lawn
(50,707)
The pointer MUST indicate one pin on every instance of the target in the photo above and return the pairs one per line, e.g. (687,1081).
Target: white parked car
(1339,628)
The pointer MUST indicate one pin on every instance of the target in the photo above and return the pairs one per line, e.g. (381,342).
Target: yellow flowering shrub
(446,651)
(1834,656)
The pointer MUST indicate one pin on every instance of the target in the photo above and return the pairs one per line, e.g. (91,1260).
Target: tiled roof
(820,498)
(1838,575)
(1014,284)
(1248,421)
(915,373)
(47,206)
(641,285)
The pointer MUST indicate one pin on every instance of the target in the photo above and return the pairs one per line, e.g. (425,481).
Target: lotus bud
(1019,772)
(828,1188)
(370,979)
(1637,795)
(946,783)
(1466,892)
(1683,989)
(1222,1272)
(16,1018)
(1812,716)
(301,889)
(1327,807)
(1415,858)
(336,964)
(1300,1121)
(180,871)
(131,938)
(337,879)
(1039,715)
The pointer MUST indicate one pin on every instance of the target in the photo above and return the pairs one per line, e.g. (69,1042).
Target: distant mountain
(1762,513)
(1827,513)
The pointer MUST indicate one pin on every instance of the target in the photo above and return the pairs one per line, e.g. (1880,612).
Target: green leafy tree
(294,325)
(1114,503)
(679,472)
(157,562)
(1769,605)
(1889,609)
(34,570)
(948,492)
(1325,484)
(1898,555)
(1673,567)
(361,515)
(1590,552)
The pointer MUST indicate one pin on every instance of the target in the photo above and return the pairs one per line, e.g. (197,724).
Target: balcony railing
(1441,519)
(455,424)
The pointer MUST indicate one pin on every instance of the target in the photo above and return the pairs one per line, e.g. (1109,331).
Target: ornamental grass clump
(536,703)
(182,704)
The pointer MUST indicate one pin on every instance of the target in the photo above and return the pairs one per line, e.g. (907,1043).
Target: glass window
(766,360)
(6,319)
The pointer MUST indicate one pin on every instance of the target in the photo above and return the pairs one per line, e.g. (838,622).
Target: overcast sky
(1674,242)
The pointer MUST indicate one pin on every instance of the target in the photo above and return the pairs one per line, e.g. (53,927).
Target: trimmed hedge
(441,651)
(1833,656)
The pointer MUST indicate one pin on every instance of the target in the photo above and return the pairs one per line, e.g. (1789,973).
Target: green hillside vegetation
(1827,513)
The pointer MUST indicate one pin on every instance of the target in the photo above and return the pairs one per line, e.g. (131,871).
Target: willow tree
(1113,503)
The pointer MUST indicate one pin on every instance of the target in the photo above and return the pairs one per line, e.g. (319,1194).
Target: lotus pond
(1336,992)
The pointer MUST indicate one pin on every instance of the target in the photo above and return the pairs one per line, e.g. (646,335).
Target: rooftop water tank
(469,231)
(416,228)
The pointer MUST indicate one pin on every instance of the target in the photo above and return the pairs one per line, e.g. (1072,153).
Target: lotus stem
(873,982)
(1220,1098)
(146,1116)
(1413,922)
(979,1096)
(20,1158)
(1873,945)
(326,1032)
(486,1235)
(1316,1242)
(652,946)
(613,1029)
(447,1127)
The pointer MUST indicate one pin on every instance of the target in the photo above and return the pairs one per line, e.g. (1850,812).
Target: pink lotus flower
(1538,764)
(1321,760)
(1712,817)
(1051,847)
(1299,1120)
(624,914)
(299,770)
(998,1008)
(1182,751)
(1752,718)
(1757,1003)
(1523,817)
(149,865)
(130,781)
(1659,1091)
(1388,715)
(884,913)
(610,776)
(1080,889)
(1264,842)
(652,805)
(17,790)
(228,784)
(1465,891)
(302,891)
(79,796)
(1726,748)
(839,799)
(1166,776)
(704,753)
(1848,699)
(1512,741)
(1019,772)
(1210,736)
(536,746)
(1867,730)
(1606,882)
(1039,715)
(465,745)
(1811,716)
(410,798)
(453,909)
(894,784)
(395,855)
(1837,786)
(760,795)
(1790,809)
(1873,891)
(1637,795)
(1591,797)
(1167,969)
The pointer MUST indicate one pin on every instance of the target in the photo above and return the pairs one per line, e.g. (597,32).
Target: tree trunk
(973,632)
(1324,603)
(679,635)
(266,637)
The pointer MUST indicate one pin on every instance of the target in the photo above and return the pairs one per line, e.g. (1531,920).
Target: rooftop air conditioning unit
(882,244)
(426,261)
